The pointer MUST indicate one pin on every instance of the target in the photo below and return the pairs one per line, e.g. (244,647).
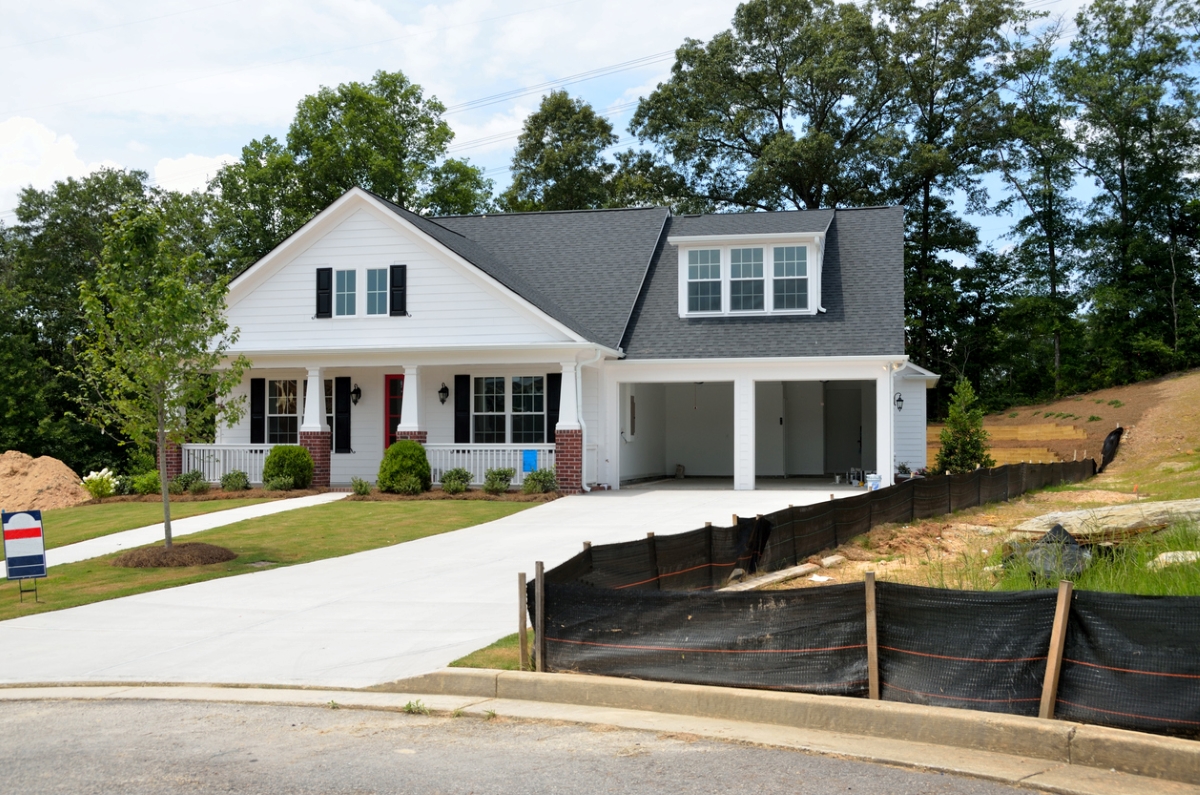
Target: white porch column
(743,434)
(885,427)
(568,404)
(410,407)
(314,403)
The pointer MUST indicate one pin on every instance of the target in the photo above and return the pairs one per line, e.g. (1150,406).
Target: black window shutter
(341,415)
(399,290)
(258,410)
(553,398)
(324,292)
(462,409)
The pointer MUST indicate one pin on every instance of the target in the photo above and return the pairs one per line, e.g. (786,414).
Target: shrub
(404,457)
(964,441)
(186,479)
(540,481)
(175,487)
(291,461)
(100,484)
(237,480)
(123,484)
(360,487)
(457,475)
(279,483)
(453,486)
(496,481)
(198,487)
(146,483)
(409,484)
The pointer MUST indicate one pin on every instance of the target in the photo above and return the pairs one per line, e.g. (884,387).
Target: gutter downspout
(579,414)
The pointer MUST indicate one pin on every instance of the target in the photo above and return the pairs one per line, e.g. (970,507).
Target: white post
(568,404)
(410,407)
(314,403)
(885,427)
(743,434)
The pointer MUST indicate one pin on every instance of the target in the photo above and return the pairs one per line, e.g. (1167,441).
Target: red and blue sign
(24,545)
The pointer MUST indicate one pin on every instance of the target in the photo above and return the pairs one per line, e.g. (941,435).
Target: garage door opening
(664,426)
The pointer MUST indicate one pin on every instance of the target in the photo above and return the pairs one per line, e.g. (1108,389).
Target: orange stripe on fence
(962,698)
(670,574)
(703,651)
(1129,714)
(963,659)
(1132,670)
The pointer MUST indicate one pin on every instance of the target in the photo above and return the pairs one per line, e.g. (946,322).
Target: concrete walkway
(140,536)
(356,620)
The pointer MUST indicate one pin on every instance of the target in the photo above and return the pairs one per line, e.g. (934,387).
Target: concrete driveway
(356,620)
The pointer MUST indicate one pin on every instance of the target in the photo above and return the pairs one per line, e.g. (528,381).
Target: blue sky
(176,87)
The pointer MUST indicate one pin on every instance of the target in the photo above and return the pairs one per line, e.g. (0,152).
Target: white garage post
(743,434)
(410,407)
(885,431)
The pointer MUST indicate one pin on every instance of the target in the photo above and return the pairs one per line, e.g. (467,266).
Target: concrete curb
(1062,742)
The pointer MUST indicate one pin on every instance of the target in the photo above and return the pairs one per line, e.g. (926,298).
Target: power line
(498,137)
(119,25)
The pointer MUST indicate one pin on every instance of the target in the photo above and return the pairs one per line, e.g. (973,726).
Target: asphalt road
(137,748)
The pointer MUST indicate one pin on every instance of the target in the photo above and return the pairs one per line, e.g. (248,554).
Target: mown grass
(285,539)
(504,654)
(64,526)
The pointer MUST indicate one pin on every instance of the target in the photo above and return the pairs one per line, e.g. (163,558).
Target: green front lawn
(504,654)
(64,526)
(285,539)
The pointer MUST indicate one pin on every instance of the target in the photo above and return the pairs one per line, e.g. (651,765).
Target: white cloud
(188,173)
(33,154)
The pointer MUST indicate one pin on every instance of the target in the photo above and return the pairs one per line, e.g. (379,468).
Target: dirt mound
(177,555)
(38,484)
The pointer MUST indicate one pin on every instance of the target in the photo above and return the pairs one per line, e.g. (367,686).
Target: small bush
(404,458)
(409,484)
(279,483)
(453,486)
(198,487)
(146,483)
(289,460)
(186,479)
(457,475)
(496,481)
(540,481)
(237,480)
(175,488)
(123,484)
(360,487)
(100,484)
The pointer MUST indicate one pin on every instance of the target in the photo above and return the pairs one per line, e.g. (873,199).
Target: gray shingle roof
(751,223)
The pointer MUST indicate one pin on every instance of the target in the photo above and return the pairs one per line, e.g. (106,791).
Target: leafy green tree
(790,108)
(964,441)
(153,363)
(457,188)
(559,160)
(259,204)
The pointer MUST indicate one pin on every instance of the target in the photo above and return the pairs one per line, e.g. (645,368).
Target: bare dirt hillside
(43,483)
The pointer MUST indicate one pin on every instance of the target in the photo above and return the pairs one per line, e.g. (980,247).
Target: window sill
(753,313)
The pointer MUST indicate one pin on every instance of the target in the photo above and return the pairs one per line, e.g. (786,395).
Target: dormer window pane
(791,277)
(704,280)
(345,293)
(746,280)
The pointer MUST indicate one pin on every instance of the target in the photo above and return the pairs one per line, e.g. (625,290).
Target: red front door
(394,387)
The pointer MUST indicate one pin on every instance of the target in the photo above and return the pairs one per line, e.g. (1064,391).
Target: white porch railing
(479,458)
(215,460)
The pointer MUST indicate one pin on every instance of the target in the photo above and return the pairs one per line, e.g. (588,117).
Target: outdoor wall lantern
(356,394)
(444,393)
(899,401)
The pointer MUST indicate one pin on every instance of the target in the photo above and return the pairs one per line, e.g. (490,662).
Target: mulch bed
(473,494)
(178,555)
(213,494)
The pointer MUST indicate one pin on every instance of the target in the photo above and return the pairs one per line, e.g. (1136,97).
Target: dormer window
(736,275)
(791,277)
(746,280)
(704,280)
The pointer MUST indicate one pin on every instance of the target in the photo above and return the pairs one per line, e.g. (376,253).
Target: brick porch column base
(173,454)
(568,461)
(414,436)
(317,445)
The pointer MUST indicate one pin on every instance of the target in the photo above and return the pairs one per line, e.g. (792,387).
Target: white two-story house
(612,345)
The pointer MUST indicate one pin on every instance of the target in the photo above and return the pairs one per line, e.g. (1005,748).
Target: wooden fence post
(539,619)
(872,640)
(652,548)
(1058,639)
(522,628)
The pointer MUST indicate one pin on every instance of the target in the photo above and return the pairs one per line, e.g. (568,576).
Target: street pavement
(356,620)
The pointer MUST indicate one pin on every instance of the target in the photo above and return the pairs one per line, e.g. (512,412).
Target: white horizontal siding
(910,423)
(447,307)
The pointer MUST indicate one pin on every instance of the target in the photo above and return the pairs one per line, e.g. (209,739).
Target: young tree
(964,441)
(153,359)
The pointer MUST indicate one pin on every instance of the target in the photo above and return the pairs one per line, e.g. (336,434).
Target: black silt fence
(1132,662)
(967,649)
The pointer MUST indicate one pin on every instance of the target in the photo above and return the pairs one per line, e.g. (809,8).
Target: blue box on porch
(528,460)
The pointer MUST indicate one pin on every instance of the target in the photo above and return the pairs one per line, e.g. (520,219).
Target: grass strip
(504,654)
(285,539)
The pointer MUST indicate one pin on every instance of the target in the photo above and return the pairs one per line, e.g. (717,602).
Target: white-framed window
(790,278)
(377,291)
(489,410)
(704,280)
(528,409)
(283,422)
(746,280)
(345,291)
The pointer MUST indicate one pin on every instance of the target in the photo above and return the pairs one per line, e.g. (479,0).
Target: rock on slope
(28,483)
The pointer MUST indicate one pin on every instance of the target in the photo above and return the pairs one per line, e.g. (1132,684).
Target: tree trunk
(162,472)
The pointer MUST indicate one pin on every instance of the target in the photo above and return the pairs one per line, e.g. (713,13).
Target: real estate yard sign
(24,545)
